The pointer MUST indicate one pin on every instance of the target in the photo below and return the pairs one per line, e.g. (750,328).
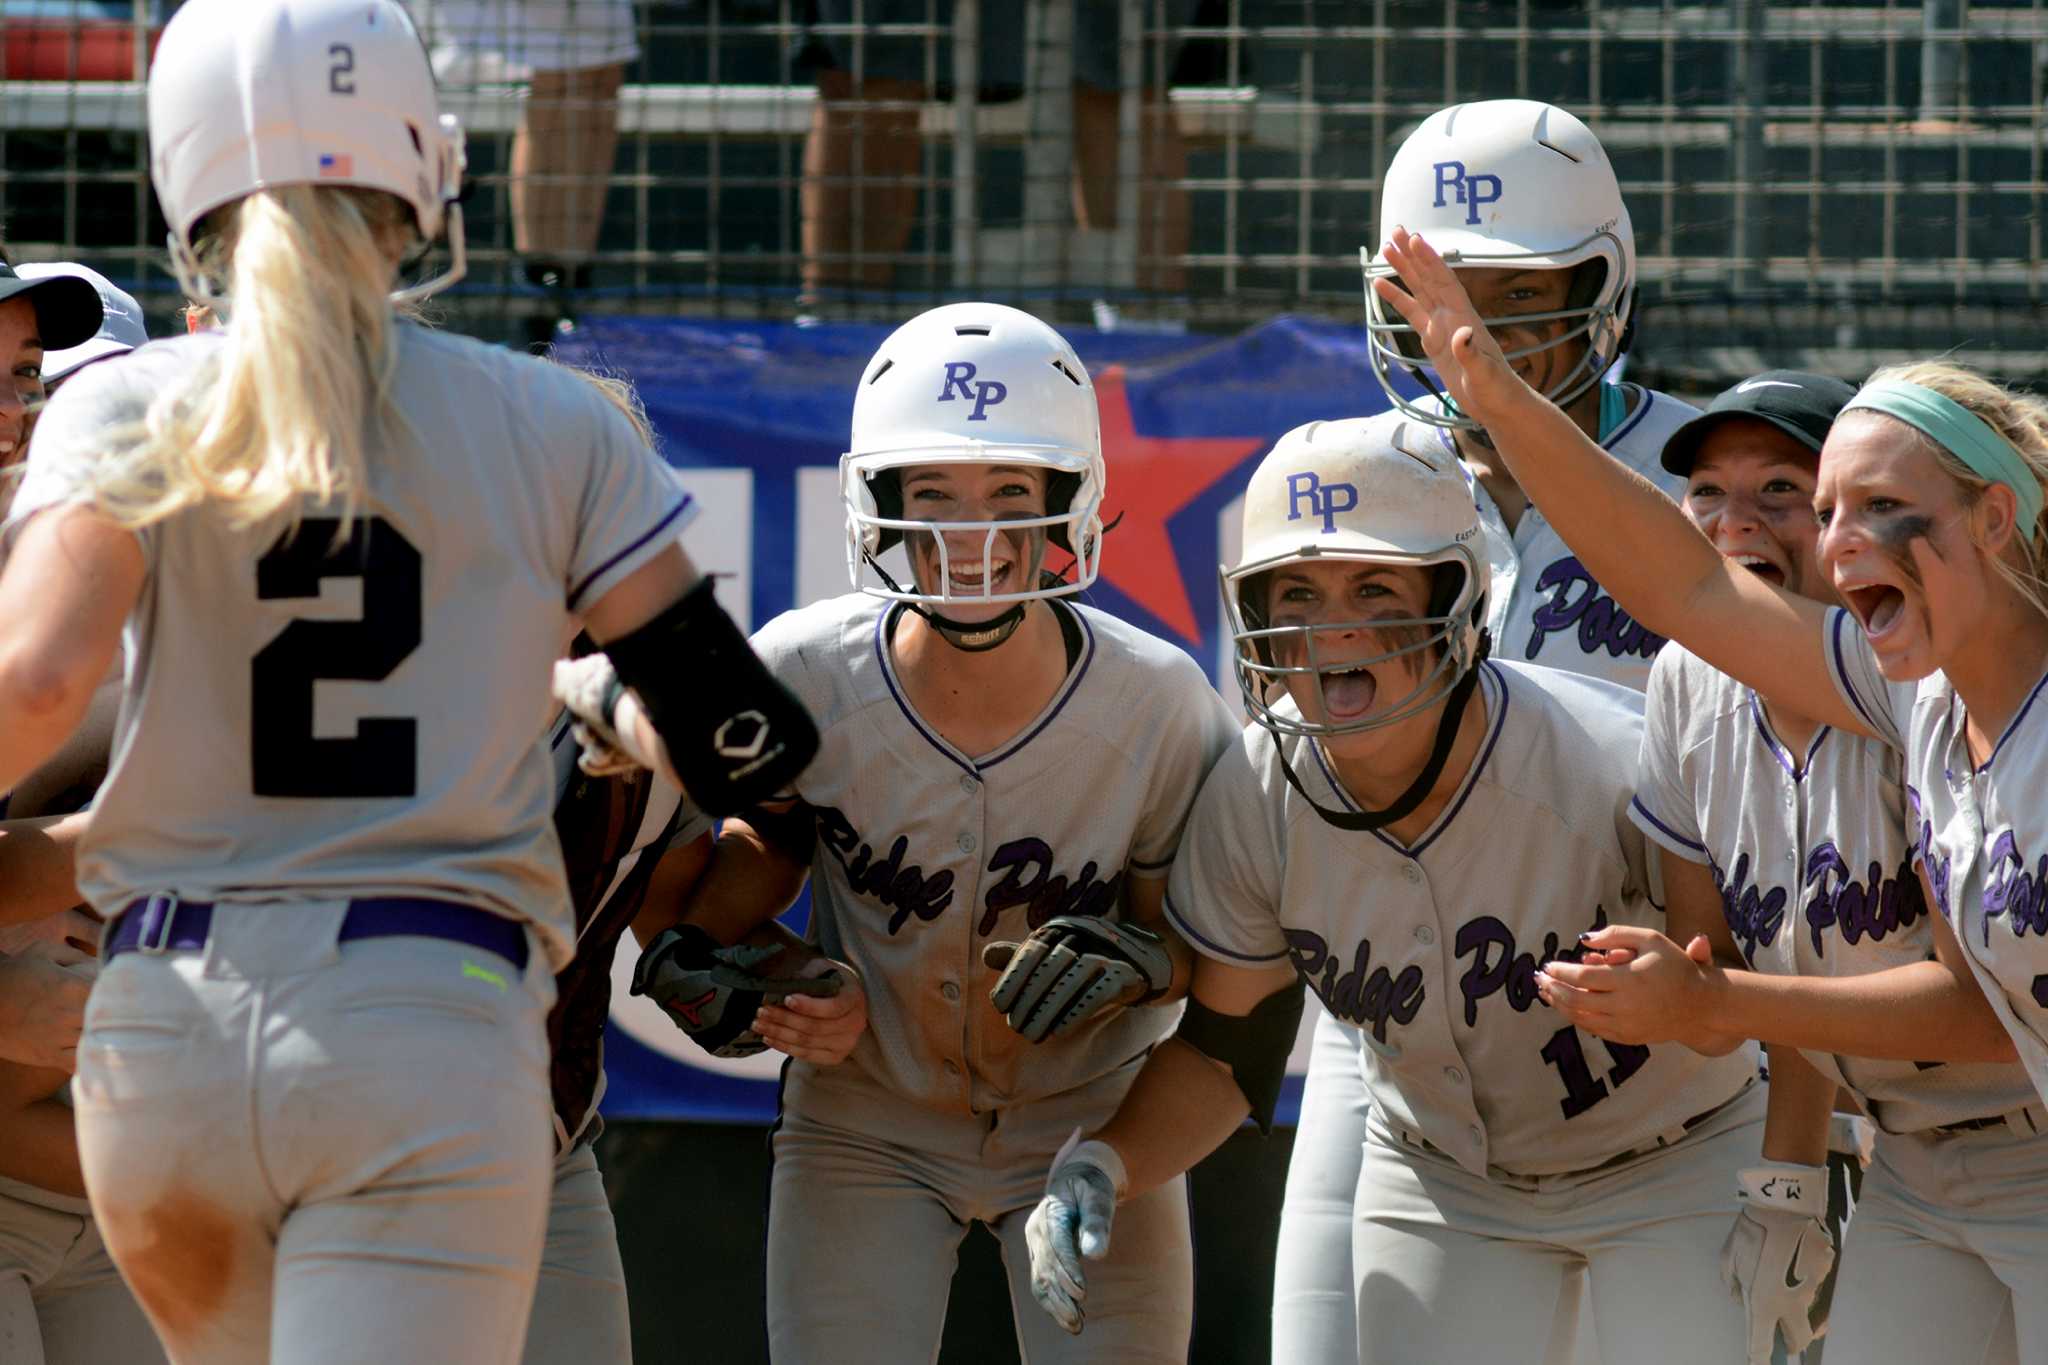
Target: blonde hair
(621,395)
(2022,420)
(278,416)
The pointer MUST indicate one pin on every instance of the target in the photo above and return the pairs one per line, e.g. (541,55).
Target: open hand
(1465,356)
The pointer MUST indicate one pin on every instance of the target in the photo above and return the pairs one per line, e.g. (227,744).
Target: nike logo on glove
(1793,1280)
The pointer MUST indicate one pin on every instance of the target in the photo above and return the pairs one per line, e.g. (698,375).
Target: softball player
(998,764)
(305,881)
(61,1300)
(1929,503)
(1551,251)
(1354,840)
(1791,854)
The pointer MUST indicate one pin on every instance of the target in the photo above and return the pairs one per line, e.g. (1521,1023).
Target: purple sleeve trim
(1636,804)
(576,593)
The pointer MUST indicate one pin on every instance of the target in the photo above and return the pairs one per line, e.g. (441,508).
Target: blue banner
(756,416)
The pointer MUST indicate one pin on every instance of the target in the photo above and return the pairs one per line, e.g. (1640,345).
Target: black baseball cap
(68,309)
(1801,405)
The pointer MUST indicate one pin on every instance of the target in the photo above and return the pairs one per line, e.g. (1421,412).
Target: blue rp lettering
(983,393)
(1322,498)
(1471,190)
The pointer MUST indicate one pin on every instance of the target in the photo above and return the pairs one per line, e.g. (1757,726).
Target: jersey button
(1425,934)
(951,990)
(966,842)
(968,784)
(1454,1076)
(1478,1133)
(1411,872)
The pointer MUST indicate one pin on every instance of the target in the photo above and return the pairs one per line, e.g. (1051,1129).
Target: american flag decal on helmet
(332,164)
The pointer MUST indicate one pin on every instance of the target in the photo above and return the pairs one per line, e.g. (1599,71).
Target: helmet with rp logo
(1511,185)
(973,384)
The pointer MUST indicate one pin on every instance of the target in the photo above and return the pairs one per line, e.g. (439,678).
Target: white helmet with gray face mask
(1364,490)
(974,383)
(1508,184)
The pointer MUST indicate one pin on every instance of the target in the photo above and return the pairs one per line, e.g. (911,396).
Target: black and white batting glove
(1778,1255)
(713,993)
(1071,969)
(590,689)
(1072,1223)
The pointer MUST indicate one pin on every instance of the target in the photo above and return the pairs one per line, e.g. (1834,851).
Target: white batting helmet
(247,95)
(1513,184)
(1376,490)
(973,383)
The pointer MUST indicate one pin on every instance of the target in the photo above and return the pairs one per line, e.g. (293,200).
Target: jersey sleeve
(1663,807)
(630,507)
(1197,727)
(70,440)
(1223,894)
(1884,706)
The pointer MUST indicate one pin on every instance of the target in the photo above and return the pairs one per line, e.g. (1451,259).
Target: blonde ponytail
(278,417)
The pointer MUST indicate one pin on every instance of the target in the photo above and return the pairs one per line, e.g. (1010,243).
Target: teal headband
(1960,432)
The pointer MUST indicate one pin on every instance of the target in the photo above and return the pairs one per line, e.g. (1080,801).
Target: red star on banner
(1151,478)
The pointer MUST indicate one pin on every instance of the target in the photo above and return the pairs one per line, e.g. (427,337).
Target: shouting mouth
(1879,606)
(1349,694)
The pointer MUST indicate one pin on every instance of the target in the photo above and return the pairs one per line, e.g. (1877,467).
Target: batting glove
(590,689)
(1778,1255)
(1074,968)
(1072,1222)
(713,993)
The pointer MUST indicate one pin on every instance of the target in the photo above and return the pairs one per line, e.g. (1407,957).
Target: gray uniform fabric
(264,1171)
(61,1300)
(521,495)
(1416,950)
(1979,831)
(1814,864)
(943,1113)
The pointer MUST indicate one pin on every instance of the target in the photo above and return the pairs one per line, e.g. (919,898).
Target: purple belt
(160,923)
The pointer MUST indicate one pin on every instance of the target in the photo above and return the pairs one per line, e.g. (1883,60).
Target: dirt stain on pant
(178,1255)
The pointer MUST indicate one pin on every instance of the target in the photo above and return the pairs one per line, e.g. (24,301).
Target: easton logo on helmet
(984,394)
(1468,189)
(1321,498)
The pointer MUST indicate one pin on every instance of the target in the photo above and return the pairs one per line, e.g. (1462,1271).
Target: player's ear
(1994,517)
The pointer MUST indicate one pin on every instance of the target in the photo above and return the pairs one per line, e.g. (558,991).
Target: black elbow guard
(735,735)
(1254,1046)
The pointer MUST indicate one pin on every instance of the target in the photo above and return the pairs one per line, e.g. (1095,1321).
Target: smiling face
(22,346)
(1335,600)
(1500,292)
(1901,541)
(977,563)
(1751,493)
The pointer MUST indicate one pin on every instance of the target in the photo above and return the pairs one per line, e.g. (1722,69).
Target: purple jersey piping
(1777,746)
(576,593)
(2012,726)
(1842,674)
(1073,685)
(1636,804)
(1464,790)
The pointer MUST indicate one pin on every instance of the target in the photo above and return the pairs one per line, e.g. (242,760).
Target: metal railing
(1857,180)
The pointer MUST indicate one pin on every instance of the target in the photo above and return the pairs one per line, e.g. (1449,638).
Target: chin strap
(1439,754)
(969,637)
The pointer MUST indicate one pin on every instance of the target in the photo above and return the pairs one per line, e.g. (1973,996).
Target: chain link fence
(1825,184)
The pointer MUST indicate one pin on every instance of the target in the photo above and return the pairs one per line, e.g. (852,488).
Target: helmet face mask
(1293,658)
(1509,184)
(973,385)
(1356,493)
